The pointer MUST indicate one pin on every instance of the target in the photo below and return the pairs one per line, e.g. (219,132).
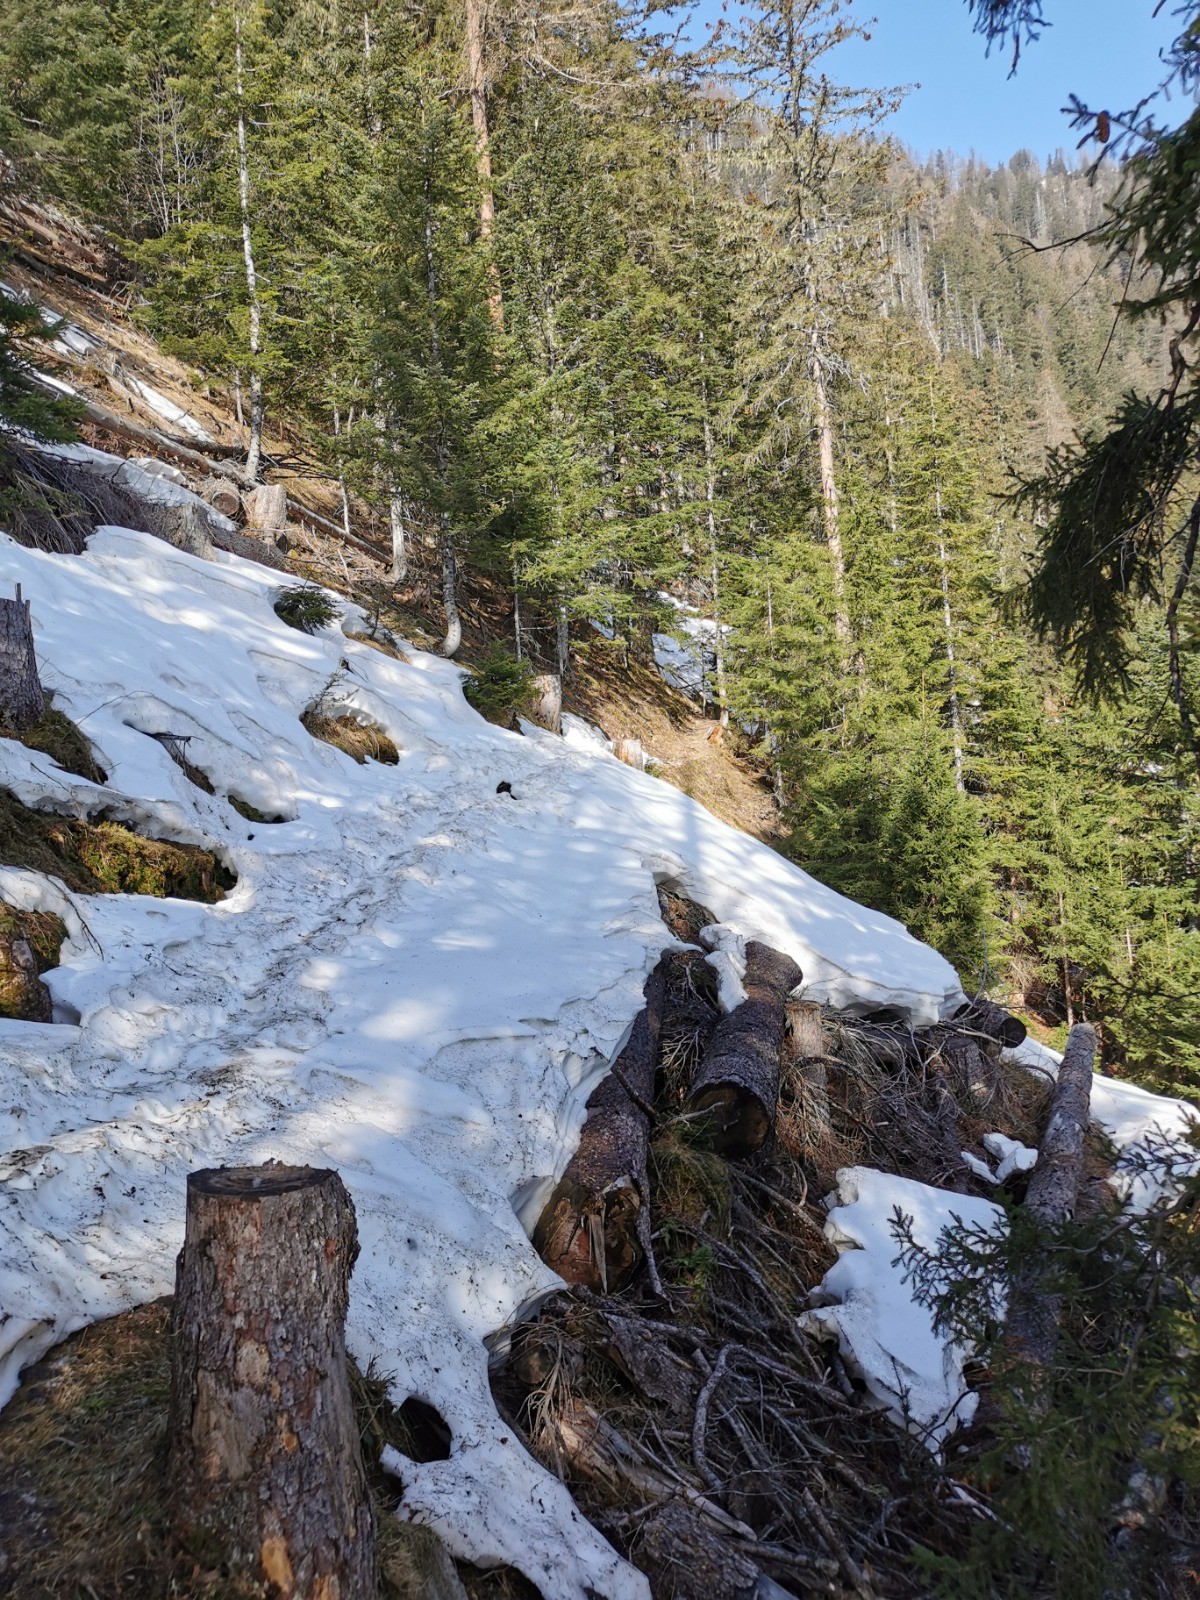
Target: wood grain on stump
(737,1080)
(266,1463)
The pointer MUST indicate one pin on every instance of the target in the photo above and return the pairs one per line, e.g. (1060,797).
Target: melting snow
(416,980)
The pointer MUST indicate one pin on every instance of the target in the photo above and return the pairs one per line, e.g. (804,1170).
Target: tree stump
(22,702)
(548,688)
(809,1053)
(737,1080)
(266,509)
(631,752)
(266,1463)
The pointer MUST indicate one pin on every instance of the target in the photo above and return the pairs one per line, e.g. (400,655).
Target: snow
(687,663)
(864,1301)
(166,408)
(416,980)
(1011,1155)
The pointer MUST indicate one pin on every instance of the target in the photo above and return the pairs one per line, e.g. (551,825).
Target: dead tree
(595,1229)
(1031,1327)
(22,701)
(737,1080)
(265,1453)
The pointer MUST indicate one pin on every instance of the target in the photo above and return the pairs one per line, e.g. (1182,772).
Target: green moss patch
(107,858)
(251,813)
(362,742)
(55,735)
(30,942)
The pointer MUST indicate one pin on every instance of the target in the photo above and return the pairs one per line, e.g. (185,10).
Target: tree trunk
(829,499)
(254,452)
(399,538)
(1031,1329)
(453,640)
(22,701)
(265,1453)
(947,615)
(737,1080)
(477,80)
(595,1229)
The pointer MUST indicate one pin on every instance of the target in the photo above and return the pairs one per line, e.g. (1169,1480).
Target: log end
(591,1240)
(738,1122)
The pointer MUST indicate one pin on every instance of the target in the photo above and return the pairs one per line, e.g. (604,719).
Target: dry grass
(361,741)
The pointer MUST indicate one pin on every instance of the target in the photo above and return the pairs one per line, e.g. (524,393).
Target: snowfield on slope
(416,980)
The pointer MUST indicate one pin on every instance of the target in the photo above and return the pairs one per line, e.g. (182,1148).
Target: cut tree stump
(548,688)
(265,1458)
(266,509)
(808,1050)
(595,1228)
(737,1080)
(22,702)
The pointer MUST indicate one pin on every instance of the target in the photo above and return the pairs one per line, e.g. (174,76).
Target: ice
(416,979)
(1011,1155)
(913,1371)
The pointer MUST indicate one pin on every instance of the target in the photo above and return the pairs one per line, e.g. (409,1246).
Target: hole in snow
(251,812)
(428,1435)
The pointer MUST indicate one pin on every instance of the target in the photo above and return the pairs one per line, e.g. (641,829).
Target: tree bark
(737,1080)
(829,499)
(477,80)
(265,1454)
(809,1056)
(1031,1325)
(22,700)
(595,1229)
(548,688)
(254,451)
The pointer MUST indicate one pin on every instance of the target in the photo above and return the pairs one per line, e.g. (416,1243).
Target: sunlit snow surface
(416,980)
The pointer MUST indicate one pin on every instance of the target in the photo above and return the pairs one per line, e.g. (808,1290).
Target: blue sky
(1106,51)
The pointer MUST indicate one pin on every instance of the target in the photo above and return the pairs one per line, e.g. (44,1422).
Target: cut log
(266,509)
(737,1080)
(548,688)
(22,702)
(595,1228)
(1031,1325)
(983,1016)
(968,1068)
(686,1558)
(223,495)
(265,1453)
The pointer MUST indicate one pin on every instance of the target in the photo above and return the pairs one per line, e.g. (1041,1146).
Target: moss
(361,741)
(22,997)
(55,735)
(106,858)
(385,644)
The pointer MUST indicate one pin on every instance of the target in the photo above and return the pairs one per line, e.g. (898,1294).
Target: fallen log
(223,495)
(22,699)
(984,1016)
(686,1558)
(265,1458)
(595,1228)
(1031,1324)
(737,1081)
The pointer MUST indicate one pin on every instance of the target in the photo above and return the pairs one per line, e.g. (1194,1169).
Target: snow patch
(416,980)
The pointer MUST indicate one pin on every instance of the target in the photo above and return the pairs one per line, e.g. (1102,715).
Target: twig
(700,1423)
